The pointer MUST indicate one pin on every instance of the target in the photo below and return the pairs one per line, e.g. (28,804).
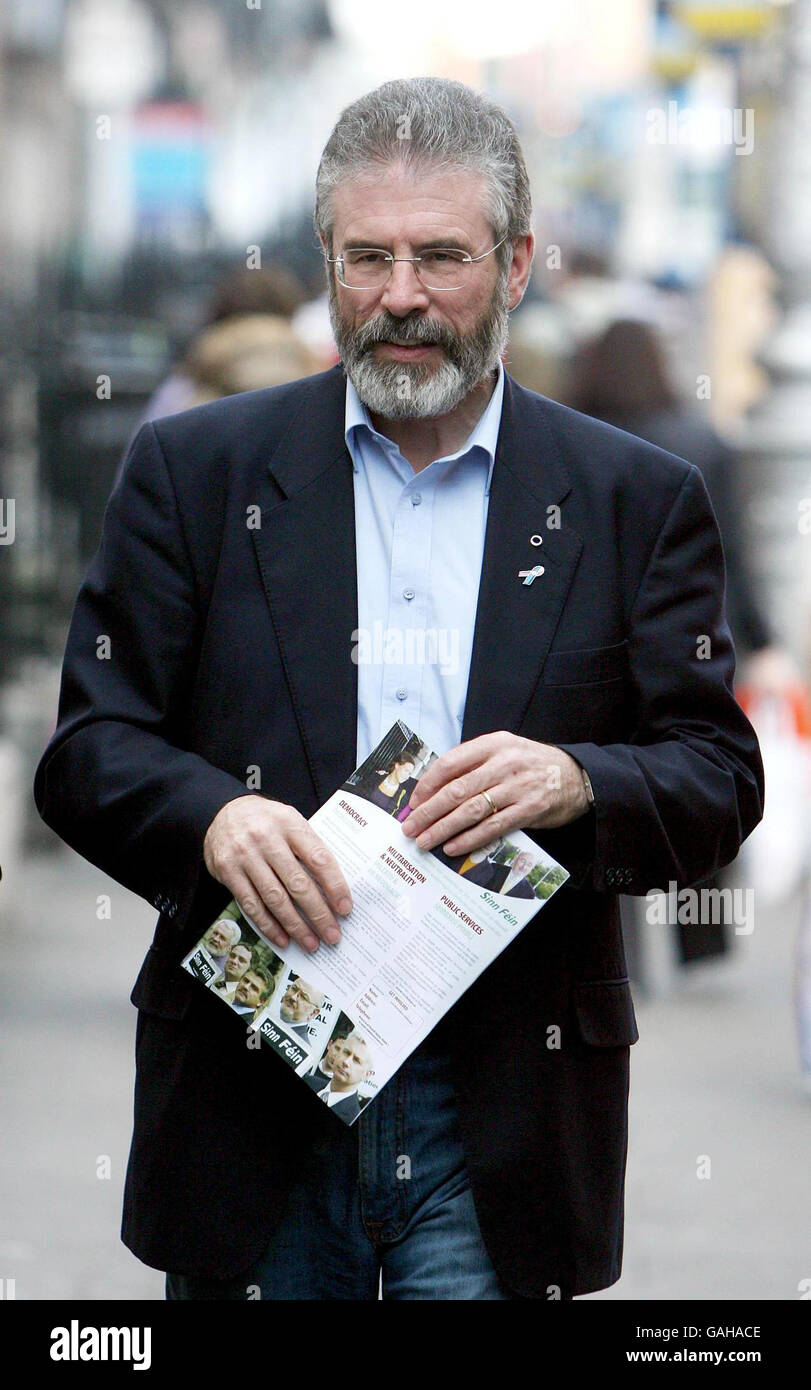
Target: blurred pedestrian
(620,376)
(245,353)
(248,342)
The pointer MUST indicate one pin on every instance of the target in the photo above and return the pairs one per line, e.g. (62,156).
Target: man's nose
(404,290)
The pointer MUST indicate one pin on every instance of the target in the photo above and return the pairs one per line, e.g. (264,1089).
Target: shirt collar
(484,433)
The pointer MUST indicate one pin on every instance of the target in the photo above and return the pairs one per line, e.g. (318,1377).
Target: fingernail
(332,935)
(311,944)
(344,906)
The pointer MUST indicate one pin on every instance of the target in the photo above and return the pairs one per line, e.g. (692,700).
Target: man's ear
(521,269)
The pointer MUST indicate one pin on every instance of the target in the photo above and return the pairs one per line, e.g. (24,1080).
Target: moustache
(387,329)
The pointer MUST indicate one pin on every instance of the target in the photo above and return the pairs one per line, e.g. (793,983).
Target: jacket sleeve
(676,801)
(115,781)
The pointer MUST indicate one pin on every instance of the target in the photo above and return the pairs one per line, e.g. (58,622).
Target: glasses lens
(365,269)
(443,269)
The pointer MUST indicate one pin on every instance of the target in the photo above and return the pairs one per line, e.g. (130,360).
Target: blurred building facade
(148,147)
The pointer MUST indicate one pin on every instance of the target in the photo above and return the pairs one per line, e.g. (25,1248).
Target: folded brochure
(423,927)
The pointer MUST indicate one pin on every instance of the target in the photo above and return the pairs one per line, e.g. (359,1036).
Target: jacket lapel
(306,552)
(515,622)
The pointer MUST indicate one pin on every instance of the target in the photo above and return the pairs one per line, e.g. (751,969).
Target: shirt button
(408,594)
(416,499)
(402,693)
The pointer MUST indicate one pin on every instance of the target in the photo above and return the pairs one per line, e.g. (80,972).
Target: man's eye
(440,257)
(366,257)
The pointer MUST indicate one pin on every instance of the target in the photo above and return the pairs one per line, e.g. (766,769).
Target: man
(351,1064)
(247,542)
(253,991)
(237,963)
(509,879)
(299,1005)
(221,936)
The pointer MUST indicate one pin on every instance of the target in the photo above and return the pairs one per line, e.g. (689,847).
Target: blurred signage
(725,21)
(171,161)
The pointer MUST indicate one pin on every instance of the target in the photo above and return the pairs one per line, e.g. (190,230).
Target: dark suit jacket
(346,1110)
(226,581)
(486,875)
(299,1030)
(494,876)
(317,1079)
(522,889)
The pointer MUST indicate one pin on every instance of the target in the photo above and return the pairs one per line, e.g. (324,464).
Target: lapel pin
(529,575)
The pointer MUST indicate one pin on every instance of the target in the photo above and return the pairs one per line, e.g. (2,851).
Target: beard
(417,391)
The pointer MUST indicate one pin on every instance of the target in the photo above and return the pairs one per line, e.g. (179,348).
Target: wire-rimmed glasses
(438,268)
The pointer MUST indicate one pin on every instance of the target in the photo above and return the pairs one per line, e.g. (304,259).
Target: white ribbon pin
(529,575)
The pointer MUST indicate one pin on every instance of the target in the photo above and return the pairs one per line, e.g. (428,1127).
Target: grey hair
(234,929)
(430,122)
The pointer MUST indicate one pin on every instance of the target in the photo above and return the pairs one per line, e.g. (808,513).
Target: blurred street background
(157,166)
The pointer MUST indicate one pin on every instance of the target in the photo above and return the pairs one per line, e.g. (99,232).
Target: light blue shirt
(420,540)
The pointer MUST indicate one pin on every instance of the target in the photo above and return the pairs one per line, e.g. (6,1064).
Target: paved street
(714,1074)
(66,1058)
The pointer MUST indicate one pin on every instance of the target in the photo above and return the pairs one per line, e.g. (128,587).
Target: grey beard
(416,391)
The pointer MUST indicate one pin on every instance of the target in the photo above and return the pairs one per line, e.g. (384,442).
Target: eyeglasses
(440,268)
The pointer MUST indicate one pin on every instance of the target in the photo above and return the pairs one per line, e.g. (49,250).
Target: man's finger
(458,804)
(475,814)
(452,764)
(277,903)
(478,837)
(460,792)
(324,868)
(298,902)
(249,899)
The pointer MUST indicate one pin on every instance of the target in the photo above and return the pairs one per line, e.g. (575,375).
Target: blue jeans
(389,1197)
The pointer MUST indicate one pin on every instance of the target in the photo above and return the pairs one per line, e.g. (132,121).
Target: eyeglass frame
(467,259)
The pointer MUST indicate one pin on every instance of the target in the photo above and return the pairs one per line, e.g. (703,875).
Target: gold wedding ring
(490,802)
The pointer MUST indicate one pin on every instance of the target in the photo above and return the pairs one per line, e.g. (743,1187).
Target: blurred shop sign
(113,54)
(171,161)
(725,21)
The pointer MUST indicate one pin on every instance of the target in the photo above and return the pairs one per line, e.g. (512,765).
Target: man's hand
(275,864)
(534,786)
